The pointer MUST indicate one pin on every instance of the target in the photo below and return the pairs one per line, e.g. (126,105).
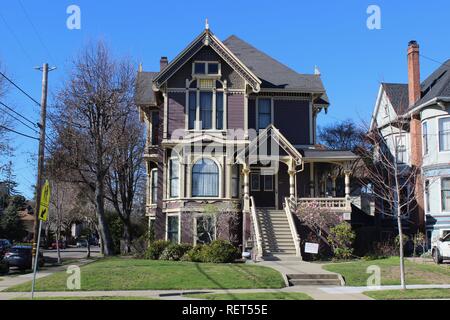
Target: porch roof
(326,154)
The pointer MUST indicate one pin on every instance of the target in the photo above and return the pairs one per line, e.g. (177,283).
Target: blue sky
(330,34)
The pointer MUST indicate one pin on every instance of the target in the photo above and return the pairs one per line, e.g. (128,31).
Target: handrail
(331,203)
(295,236)
(256,229)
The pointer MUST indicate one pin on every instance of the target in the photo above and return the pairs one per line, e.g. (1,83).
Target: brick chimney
(413,72)
(163,63)
(414,94)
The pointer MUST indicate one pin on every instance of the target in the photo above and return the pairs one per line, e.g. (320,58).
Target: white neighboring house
(425,139)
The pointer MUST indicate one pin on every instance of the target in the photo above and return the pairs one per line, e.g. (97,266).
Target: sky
(332,35)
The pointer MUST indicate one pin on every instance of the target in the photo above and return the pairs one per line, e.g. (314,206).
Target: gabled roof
(397,94)
(437,85)
(273,74)
(207,38)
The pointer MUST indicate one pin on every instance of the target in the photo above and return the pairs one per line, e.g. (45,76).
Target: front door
(263,188)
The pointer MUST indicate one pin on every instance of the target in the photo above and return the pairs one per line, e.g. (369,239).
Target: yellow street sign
(45,201)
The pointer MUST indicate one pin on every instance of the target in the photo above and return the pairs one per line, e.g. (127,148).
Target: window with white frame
(445,193)
(427,195)
(205,179)
(400,149)
(425,137)
(206,106)
(155,127)
(268,182)
(154,186)
(174,177)
(264,113)
(172,229)
(206,68)
(444,134)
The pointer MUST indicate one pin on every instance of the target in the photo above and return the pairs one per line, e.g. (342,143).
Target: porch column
(311,180)
(333,181)
(246,173)
(347,183)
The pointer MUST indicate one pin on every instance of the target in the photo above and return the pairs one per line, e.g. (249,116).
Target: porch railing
(338,204)
(288,204)
(256,229)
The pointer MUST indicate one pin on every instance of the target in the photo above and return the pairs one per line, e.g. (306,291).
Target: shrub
(175,251)
(384,249)
(341,238)
(195,254)
(220,251)
(155,249)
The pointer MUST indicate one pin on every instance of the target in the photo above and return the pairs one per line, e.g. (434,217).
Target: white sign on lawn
(311,247)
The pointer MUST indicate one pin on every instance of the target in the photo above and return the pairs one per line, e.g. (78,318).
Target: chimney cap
(163,58)
(413,43)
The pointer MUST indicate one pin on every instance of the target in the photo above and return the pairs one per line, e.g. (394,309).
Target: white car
(440,246)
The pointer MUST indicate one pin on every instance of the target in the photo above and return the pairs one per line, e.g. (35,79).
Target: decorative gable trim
(207,38)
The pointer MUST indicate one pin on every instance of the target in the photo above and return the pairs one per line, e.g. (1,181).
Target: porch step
(314,280)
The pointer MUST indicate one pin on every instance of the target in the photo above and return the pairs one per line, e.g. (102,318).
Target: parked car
(440,246)
(21,257)
(4,246)
(82,243)
(62,244)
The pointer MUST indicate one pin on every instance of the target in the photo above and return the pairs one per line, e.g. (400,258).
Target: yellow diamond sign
(45,201)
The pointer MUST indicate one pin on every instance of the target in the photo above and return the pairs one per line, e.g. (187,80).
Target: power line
(17,119)
(22,116)
(434,60)
(24,51)
(35,30)
(19,133)
(19,88)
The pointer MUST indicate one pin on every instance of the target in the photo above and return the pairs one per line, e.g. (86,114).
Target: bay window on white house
(401,150)
(444,134)
(425,137)
(445,194)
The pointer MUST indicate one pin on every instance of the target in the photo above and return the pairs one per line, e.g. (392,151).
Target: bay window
(174,177)
(172,229)
(401,151)
(425,137)
(154,186)
(211,109)
(192,109)
(205,179)
(206,109)
(235,181)
(219,110)
(445,194)
(444,134)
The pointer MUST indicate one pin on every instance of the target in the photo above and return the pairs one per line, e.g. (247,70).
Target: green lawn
(409,294)
(252,296)
(416,273)
(90,298)
(140,274)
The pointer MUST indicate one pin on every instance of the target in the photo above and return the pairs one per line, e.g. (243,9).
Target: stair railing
(256,229)
(295,236)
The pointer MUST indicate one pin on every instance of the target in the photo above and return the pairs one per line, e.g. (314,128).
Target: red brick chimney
(413,72)
(163,63)
(414,95)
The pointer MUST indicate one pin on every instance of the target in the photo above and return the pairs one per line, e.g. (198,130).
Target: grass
(252,296)
(140,274)
(90,298)
(409,294)
(355,274)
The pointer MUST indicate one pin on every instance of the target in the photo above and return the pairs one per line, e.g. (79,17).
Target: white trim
(152,201)
(220,176)
(447,211)
(166,110)
(257,112)
(438,118)
(169,178)
(426,141)
(206,74)
(178,215)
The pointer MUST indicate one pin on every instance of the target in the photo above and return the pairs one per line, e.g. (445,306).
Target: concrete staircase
(314,279)
(275,233)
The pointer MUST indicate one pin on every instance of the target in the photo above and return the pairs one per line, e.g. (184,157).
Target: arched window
(205,179)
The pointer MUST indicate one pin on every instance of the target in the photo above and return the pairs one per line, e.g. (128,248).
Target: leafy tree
(341,238)
(11,226)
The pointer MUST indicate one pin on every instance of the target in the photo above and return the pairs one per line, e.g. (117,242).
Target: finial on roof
(140,67)
(316,70)
(206,24)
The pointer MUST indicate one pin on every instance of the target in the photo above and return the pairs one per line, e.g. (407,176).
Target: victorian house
(231,145)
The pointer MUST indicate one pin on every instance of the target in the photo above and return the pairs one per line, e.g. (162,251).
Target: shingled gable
(207,38)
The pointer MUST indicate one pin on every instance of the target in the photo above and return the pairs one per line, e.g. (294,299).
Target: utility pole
(45,69)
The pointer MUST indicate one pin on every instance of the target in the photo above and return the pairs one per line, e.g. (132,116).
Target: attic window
(206,68)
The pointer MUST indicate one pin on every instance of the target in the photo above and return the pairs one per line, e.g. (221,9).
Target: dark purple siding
(292,119)
(176,112)
(235,111)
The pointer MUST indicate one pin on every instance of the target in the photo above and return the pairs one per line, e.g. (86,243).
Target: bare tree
(126,175)
(344,135)
(392,181)
(92,110)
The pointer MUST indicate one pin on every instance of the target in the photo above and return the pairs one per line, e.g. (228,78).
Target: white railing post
(256,229)
(294,233)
